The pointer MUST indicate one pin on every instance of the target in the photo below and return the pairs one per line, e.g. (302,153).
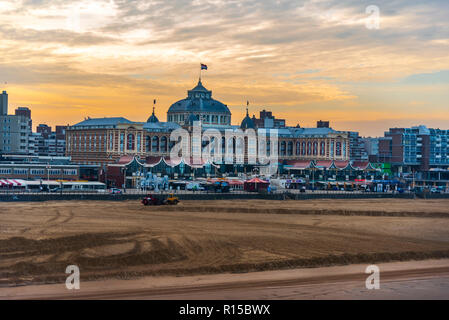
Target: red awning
(152,161)
(297,164)
(324,164)
(341,164)
(125,160)
(360,165)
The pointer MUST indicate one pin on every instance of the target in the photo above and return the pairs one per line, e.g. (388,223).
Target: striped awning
(11,182)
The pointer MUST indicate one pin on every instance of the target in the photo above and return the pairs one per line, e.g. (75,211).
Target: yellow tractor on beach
(172,200)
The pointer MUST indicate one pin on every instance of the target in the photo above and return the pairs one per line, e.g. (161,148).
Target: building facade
(104,141)
(48,142)
(38,168)
(14,129)
(415,148)
(357,147)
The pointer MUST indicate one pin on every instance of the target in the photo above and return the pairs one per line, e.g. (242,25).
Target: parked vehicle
(435,190)
(115,191)
(192,186)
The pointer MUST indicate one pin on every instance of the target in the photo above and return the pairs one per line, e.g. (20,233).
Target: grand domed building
(117,142)
(202,106)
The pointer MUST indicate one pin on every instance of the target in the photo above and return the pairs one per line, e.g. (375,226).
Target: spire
(247,122)
(153,118)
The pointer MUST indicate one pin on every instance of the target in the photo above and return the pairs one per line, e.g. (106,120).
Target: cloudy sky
(305,60)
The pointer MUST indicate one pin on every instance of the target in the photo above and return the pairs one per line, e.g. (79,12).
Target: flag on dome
(203,67)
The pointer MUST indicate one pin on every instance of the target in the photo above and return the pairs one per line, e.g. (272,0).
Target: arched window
(309,148)
(298,147)
(155,144)
(315,148)
(322,148)
(338,148)
(147,144)
(283,146)
(303,148)
(164,144)
(130,142)
(290,148)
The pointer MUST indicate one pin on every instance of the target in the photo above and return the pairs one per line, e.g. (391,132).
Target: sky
(304,60)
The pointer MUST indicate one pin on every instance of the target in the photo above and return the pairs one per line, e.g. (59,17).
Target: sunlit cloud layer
(304,60)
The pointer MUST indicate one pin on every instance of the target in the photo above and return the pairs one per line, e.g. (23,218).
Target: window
(164,144)
(40,172)
(122,142)
(290,148)
(322,148)
(5,171)
(155,144)
(111,141)
(338,149)
(139,142)
(54,172)
(130,143)
(147,144)
(315,148)
(21,171)
(70,172)
(283,148)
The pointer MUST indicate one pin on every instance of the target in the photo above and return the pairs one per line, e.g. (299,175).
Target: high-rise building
(48,142)
(14,129)
(3,104)
(25,112)
(356,147)
(415,148)
(14,132)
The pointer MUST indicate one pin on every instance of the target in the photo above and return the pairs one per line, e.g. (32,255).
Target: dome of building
(247,122)
(199,101)
(153,118)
